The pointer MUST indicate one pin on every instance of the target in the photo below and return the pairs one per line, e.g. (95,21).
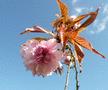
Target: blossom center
(41,55)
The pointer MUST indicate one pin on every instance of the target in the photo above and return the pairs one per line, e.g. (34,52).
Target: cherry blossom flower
(42,57)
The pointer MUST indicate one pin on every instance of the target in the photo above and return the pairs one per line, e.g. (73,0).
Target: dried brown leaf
(76,20)
(86,44)
(33,29)
(79,53)
(63,8)
(88,21)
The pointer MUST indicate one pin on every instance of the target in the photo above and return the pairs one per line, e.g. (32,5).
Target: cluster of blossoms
(44,56)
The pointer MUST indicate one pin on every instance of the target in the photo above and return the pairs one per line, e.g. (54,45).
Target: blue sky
(16,15)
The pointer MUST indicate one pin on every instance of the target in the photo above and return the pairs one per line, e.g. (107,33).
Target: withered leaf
(63,9)
(79,52)
(86,44)
(33,29)
(88,21)
(76,20)
(37,29)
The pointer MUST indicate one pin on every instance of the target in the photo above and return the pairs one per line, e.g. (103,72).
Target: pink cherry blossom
(42,57)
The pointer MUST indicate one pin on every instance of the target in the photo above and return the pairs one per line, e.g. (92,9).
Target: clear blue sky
(16,15)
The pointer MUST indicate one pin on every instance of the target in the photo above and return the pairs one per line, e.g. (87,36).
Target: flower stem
(76,77)
(67,78)
(76,71)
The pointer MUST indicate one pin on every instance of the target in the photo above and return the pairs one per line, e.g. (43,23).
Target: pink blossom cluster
(42,57)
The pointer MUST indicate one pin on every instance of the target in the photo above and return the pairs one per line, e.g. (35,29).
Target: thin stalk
(67,78)
(76,76)
(76,71)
